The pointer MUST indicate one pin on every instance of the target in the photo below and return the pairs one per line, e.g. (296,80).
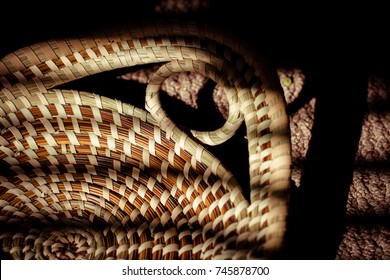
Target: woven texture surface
(88,176)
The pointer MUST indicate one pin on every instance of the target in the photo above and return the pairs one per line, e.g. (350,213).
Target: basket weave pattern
(86,176)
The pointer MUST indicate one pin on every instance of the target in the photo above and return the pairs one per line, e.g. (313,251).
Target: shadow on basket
(86,176)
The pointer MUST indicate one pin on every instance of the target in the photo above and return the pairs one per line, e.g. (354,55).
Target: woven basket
(86,176)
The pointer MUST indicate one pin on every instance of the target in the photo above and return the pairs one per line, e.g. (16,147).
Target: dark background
(335,46)
(290,32)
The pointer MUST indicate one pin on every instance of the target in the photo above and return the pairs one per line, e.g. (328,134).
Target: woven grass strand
(105,155)
(48,130)
(37,154)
